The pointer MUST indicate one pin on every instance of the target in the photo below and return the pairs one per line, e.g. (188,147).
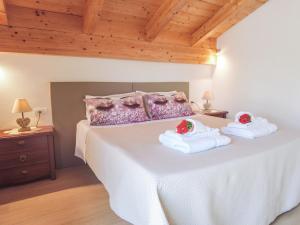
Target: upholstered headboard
(68,109)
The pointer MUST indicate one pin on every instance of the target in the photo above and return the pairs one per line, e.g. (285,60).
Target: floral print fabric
(162,106)
(116,110)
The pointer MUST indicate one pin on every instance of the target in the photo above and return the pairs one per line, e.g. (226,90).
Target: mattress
(249,182)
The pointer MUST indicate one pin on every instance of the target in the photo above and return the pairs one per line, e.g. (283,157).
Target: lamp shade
(21,105)
(208,95)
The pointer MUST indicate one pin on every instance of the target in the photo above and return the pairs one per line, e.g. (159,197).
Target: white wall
(259,66)
(28,76)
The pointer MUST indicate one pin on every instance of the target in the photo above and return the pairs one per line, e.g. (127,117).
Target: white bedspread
(249,182)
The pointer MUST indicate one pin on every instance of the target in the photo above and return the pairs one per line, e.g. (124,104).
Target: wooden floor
(75,198)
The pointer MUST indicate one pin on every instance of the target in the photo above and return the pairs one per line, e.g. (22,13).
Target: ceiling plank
(231,13)
(41,19)
(40,41)
(90,15)
(73,7)
(216,2)
(3,14)
(162,17)
(109,24)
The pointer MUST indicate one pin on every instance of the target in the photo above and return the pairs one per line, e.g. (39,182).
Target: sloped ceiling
(180,31)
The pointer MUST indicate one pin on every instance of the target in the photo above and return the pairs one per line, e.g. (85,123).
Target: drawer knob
(22,142)
(24,172)
(23,157)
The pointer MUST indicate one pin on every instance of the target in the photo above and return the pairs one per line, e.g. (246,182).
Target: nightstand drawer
(17,144)
(22,158)
(24,174)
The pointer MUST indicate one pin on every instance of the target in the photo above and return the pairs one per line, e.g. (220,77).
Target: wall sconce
(213,59)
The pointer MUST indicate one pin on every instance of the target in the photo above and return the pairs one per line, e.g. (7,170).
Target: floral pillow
(89,107)
(162,106)
(116,110)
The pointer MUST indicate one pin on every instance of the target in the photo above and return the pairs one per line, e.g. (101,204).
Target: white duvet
(249,182)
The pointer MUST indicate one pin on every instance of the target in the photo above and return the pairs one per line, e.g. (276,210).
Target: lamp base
(206,106)
(24,129)
(24,124)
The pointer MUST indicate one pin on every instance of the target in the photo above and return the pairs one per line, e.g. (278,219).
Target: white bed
(249,182)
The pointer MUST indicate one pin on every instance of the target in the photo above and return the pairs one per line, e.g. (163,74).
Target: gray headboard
(68,109)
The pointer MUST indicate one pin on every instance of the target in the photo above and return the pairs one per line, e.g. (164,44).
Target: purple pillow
(162,106)
(116,110)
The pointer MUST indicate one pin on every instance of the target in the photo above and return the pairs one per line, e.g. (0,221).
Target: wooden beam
(231,13)
(90,15)
(162,17)
(3,14)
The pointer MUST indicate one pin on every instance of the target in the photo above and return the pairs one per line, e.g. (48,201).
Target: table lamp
(21,106)
(207,96)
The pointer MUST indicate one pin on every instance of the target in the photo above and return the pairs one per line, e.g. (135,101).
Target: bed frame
(68,108)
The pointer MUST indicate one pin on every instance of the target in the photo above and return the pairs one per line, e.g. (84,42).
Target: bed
(249,182)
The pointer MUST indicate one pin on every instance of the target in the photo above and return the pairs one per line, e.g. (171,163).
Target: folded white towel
(196,145)
(201,138)
(188,137)
(259,127)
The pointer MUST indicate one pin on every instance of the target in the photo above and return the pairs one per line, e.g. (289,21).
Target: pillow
(111,96)
(116,110)
(160,106)
(89,108)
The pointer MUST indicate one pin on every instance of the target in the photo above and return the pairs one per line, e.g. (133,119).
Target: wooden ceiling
(181,31)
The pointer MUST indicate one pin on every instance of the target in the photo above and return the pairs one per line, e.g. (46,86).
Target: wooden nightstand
(215,113)
(27,157)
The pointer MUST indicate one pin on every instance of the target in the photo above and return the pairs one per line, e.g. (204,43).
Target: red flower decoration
(184,127)
(245,118)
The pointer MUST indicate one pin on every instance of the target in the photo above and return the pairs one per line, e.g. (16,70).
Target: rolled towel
(188,137)
(196,145)
(239,114)
(255,122)
(198,127)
